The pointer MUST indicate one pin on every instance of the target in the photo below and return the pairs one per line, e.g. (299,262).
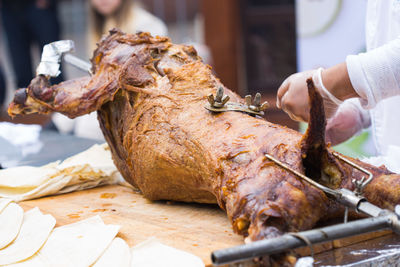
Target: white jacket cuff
(375,75)
(359,82)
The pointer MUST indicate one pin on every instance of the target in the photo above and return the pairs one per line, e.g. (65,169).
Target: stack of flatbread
(30,240)
(91,168)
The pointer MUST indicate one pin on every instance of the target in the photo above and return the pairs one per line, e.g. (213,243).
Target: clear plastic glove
(292,96)
(349,120)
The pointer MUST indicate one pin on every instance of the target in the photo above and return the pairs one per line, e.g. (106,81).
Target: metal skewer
(78,63)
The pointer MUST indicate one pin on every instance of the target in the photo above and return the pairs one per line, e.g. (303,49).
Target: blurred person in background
(127,15)
(28,22)
(363,91)
(130,17)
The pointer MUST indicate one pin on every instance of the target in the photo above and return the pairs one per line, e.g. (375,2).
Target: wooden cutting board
(195,228)
(198,229)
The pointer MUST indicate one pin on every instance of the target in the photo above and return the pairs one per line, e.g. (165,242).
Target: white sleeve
(375,75)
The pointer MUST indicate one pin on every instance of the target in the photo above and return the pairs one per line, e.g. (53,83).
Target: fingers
(292,96)
(294,110)
(293,117)
(329,136)
(282,91)
(296,116)
(281,99)
(282,103)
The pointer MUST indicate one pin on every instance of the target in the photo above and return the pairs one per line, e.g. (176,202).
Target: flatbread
(117,254)
(104,180)
(11,218)
(97,157)
(91,166)
(50,187)
(35,230)
(77,244)
(88,169)
(26,177)
(143,255)
(4,202)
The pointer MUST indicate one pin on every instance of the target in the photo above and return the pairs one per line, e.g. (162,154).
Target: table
(196,228)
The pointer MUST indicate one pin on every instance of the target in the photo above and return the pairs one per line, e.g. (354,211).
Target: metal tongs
(380,219)
(54,53)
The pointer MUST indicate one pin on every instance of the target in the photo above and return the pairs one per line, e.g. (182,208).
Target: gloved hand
(292,96)
(349,119)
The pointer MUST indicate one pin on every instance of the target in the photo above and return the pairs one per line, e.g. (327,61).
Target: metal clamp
(219,100)
(256,106)
(326,189)
(344,196)
(363,182)
(382,219)
(220,103)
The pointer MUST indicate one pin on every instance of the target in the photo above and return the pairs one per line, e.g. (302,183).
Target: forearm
(337,82)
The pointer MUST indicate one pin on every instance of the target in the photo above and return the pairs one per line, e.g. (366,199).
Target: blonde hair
(99,24)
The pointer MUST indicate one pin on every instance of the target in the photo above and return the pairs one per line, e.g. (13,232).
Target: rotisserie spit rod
(387,220)
(381,219)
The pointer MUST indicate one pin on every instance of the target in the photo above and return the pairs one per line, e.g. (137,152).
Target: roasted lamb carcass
(150,96)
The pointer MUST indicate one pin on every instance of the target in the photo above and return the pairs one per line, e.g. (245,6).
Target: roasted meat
(150,94)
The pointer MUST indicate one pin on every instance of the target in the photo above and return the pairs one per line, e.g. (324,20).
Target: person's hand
(292,96)
(349,119)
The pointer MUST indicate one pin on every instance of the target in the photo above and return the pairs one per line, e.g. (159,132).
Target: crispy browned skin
(150,96)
